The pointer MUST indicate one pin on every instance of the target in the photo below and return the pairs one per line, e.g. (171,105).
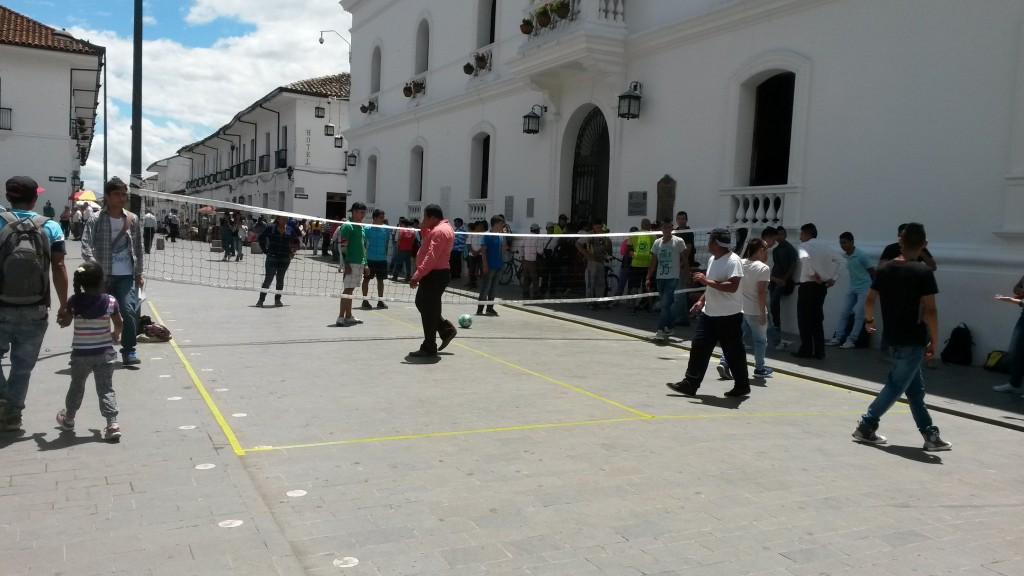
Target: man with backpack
(31,248)
(113,239)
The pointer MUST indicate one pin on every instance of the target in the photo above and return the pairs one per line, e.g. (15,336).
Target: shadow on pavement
(913,453)
(66,440)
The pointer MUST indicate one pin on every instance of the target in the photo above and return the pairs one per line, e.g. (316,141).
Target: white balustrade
(413,209)
(478,209)
(765,206)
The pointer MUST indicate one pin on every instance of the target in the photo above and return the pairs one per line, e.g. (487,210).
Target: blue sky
(164,19)
(252,46)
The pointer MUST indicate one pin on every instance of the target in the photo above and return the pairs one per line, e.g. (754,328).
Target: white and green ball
(465,320)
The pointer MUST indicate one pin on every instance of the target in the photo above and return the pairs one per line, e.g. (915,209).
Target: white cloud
(147,19)
(189,92)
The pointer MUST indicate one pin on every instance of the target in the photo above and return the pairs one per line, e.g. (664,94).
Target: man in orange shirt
(431,277)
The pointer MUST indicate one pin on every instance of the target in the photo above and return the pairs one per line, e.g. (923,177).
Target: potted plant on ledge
(560,8)
(407,90)
(526,27)
(481,60)
(543,17)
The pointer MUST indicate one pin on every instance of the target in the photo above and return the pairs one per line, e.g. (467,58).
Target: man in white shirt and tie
(819,270)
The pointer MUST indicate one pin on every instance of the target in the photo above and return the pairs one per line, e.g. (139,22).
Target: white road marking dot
(296,493)
(165,375)
(240,415)
(206,467)
(346,562)
(207,370)
(196,354)
(187,341)
(156,358)
(186,427)
(222,389)
(174,398)
(230,524)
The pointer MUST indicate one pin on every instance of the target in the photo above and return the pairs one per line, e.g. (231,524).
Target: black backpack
(960,347)
(24,261)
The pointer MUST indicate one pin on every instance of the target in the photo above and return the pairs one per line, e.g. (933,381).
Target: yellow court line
(539,375)
(447,433)
(550,425)
(202,391)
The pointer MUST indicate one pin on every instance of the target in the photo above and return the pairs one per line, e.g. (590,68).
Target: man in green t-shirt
(640,252)
(352,244)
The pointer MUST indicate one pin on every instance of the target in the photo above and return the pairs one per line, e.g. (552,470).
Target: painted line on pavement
(552,425)
(537,374)
(202,390)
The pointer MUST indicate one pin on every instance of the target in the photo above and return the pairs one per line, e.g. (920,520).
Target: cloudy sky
(203,61)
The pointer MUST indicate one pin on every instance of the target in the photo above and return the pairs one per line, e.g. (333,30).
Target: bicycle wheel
(506,274)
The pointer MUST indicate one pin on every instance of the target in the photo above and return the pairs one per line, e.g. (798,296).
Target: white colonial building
(49,87)
(853,114)
(284,152)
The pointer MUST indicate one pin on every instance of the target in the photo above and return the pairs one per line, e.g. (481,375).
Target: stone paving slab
(535,447)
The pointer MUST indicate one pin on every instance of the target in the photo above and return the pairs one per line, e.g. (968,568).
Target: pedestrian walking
(668,255)
(148,230)
(25,295)
(430,280)
(113,239)
(907,290)
(92,348)
(719,313)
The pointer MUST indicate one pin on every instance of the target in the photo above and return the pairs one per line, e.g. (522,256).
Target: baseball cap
(534,226)
(376,211)
(549,225)
(357,206)
(22,189)
(722,236)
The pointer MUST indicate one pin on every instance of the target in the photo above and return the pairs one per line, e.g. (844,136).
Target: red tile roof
(335,86)
(19,30)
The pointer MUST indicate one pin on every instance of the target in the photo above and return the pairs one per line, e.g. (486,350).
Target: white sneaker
(834,342)
(659,335)
(340,321)
(1005,388)
(354,320)
(783,345)
(848,344)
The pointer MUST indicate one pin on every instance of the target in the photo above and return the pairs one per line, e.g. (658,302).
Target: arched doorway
(590,169)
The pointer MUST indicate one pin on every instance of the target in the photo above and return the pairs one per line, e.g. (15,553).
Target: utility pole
(135,201)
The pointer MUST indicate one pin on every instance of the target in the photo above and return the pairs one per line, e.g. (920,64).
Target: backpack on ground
(997,361)
(960,347)
(24,260)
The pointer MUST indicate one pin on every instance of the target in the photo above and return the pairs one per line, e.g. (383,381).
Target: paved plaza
(268,441)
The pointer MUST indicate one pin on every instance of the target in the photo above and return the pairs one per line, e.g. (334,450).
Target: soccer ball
(465,320)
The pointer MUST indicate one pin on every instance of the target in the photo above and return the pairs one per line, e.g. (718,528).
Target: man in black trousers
(431,278)
(819,270)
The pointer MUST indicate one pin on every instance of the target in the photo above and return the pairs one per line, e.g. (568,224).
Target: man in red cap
(25,291)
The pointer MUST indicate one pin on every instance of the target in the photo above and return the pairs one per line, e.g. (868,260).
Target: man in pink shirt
(431,278)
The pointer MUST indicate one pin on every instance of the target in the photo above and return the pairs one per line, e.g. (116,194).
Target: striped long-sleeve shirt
(92,314)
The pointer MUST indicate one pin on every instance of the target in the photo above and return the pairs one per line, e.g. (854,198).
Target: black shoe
(366,305)
(381,306)
(480,311)
(278,304)
(491,312)
(447,337)
(422,354)
(684,388)
(738,391)
(800,355)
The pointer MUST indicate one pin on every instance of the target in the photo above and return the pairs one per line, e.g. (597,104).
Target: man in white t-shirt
(148,230)
(668,255)
(719,315)
(754,287)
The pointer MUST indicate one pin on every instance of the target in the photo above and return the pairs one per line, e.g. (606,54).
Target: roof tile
(19,30)
(336,85)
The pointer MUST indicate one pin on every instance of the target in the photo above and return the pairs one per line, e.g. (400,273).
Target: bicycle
(512,267)
(611,275)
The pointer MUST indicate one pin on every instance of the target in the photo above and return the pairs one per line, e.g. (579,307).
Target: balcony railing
(413,209)
(478,209)
(282,159)
(265,163)
(5,118)
(546,20)
(762,205)
(250,167)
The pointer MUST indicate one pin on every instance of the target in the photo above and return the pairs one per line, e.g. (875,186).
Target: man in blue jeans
(23,317)
(113,239)
(491,255)
(668,255)
(907,289)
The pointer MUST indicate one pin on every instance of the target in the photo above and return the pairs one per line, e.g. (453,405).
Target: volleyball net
(208,248)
